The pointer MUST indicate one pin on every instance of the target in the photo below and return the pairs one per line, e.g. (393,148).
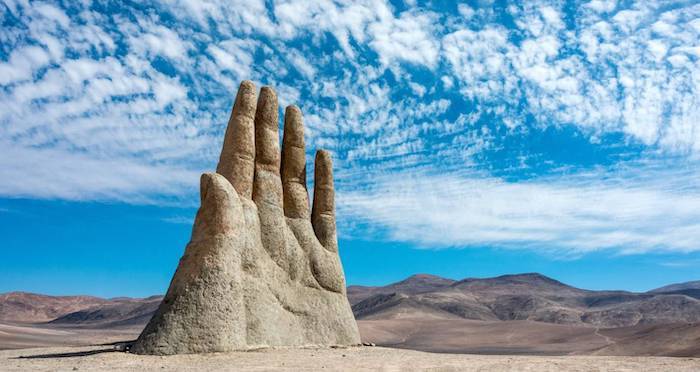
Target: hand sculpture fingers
(260,270)
(238,151)
(267,185)
(278,185)
(325,263)
(188,320)
(296,198)
(323,210)
(220,211)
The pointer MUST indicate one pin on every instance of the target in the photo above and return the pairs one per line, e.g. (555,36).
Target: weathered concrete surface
(260,270)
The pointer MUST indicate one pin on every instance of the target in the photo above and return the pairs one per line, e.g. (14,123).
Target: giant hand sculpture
(260,270)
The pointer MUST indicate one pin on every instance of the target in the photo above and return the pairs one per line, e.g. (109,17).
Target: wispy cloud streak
(617,209)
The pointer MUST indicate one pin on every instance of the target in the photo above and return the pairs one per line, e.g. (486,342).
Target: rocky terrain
(120,312)
(31,307)
(531,297)
(513,314)
(84,311)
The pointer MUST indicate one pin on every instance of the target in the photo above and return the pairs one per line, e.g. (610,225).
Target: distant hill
(510,314)
(22,307)
(115,313)
(31,307)
(531,296)
(414,284)
(694,285)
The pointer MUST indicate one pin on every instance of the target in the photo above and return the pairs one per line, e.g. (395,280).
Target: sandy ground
(101,358)
(60,353)
(20,336)
(483,337)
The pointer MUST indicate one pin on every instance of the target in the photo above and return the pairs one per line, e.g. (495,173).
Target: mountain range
(512,314)
(531,297)
(86,311)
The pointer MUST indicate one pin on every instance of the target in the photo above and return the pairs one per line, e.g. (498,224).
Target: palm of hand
(260,270)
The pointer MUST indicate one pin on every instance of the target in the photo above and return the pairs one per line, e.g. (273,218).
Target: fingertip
(323,208)
(238,150)
(293,109)
(220,209)
(268,91)
(324,156)
(266,115)
(294,165)
(213,181)
(323,168)
(293,117)
(293,127)
(247,85)
(267,98)
(246,99)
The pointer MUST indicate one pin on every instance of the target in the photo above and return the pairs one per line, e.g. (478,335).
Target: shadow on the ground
(118,346)
(68,355)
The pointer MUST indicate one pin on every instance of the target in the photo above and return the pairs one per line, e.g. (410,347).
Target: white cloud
(406,38)
(80,121)
(22,63)
(636,75)
(575,215)
(601,6)
(132,107)
(301,64)
(478,60)
(60,174)
(465,11)
(51,13)
(232,55)
(228,17)
(152,39)
(447,81)
(418,89)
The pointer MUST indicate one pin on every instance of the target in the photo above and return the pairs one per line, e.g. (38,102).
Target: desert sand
(104,358)
(22,336)
(531,338)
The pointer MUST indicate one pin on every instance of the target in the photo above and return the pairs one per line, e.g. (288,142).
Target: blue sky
(469,140)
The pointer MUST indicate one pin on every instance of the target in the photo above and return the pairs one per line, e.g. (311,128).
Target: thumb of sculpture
(260,270)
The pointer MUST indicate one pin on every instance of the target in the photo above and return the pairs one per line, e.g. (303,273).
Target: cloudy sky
(471,140)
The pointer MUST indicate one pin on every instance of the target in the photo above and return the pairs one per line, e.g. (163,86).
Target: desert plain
(104,358)
(414,323)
